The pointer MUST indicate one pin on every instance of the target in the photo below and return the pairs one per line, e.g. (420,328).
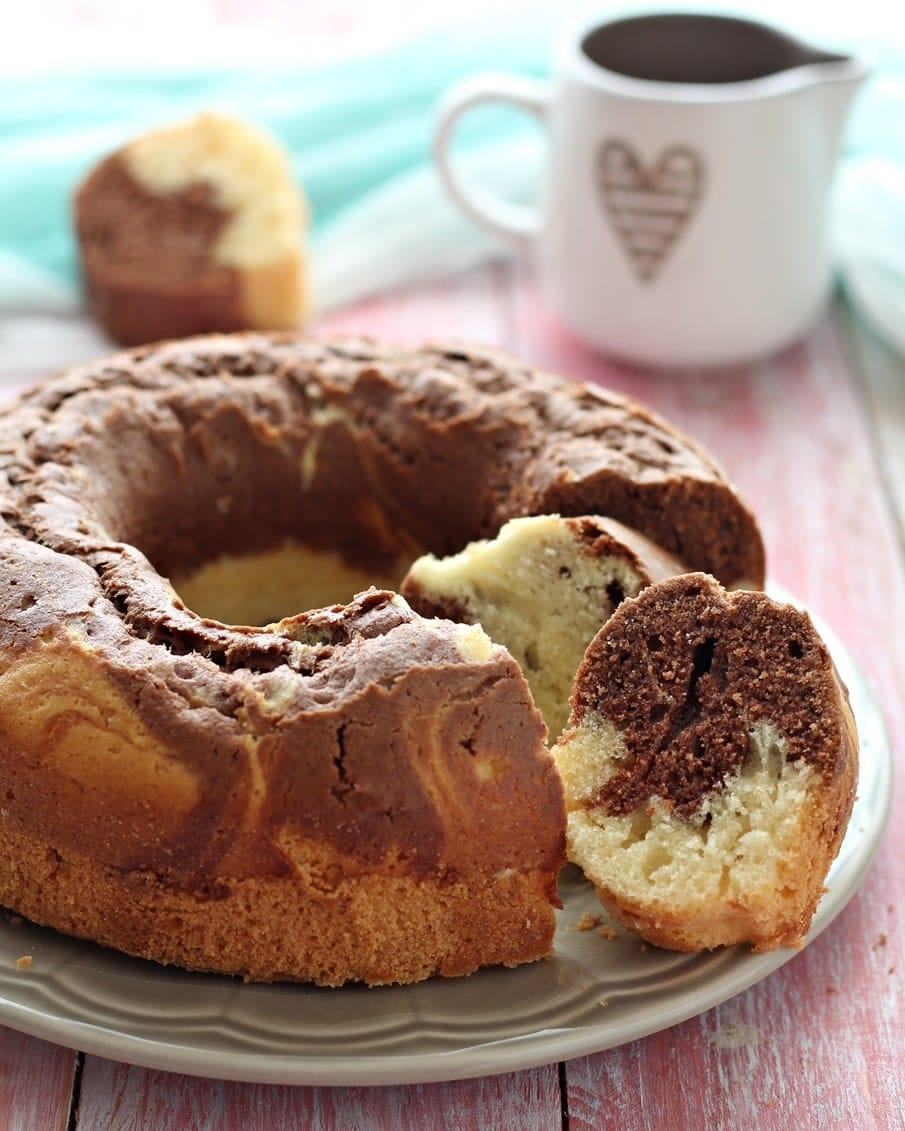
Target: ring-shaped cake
(195,770)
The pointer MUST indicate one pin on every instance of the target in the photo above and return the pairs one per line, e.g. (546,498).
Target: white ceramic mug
(684,219)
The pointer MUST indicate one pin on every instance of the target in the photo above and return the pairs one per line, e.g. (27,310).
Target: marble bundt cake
(348,793)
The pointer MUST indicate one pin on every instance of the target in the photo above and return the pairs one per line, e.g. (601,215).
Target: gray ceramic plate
(595,993)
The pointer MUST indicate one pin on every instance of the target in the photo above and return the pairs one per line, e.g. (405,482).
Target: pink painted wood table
(815,439)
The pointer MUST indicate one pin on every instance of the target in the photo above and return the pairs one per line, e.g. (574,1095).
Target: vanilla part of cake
(542,587)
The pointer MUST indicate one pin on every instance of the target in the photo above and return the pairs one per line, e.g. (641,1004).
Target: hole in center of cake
(253,510)
(265,586)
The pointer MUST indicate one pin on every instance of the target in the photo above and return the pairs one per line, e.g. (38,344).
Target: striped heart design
(649,206)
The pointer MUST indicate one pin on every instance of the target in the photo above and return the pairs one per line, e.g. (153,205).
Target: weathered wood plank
(472,306)
(35,1083)
(136,1099)
(815,1045)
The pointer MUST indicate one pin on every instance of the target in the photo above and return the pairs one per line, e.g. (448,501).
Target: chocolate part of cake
(602,536)
(134,229)
(147,259)
(716,667)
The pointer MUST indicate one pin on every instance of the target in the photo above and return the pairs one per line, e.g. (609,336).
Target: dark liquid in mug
(696,49)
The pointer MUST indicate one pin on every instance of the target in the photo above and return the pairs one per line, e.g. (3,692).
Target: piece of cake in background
(542,587)
(709,767)
(192,228)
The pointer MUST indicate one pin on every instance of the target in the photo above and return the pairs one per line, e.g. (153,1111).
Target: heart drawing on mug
(649,206)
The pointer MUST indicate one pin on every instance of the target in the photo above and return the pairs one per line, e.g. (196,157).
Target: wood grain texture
(35,1083)
(808,1047)
(125,1098)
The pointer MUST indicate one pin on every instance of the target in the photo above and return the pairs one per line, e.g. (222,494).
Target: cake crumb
(24,961)
(831,989)
(587,922)
(881,941)
(606,932)
(16,920)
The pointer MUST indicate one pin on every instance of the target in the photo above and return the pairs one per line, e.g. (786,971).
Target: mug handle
(518,223)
